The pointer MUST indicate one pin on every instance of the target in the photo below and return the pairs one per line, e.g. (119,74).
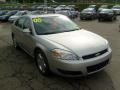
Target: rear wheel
(42,64)
(115,18)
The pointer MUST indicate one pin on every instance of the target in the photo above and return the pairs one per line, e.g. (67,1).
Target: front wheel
(42,64)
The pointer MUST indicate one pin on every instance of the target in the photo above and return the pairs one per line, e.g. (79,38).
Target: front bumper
(105,17)
(86,16)
(82,67)
(11,20)
(117,12)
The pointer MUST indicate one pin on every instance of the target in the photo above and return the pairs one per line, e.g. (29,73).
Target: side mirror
(26,30)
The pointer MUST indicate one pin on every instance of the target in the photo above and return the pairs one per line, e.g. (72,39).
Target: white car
(17,15)
(116,9)
(60,46)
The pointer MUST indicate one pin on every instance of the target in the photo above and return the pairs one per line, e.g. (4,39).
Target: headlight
(63,55)
(4,17)
(108,45)
(10,18)
(110,13)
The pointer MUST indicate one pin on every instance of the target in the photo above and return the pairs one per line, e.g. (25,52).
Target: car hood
(3,15)
(14,17)
(103,13)
(81,42)
(86,12)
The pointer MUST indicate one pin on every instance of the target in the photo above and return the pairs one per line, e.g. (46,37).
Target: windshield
(104,6)
(91,6)
(18,14)
(85,11)
(37,12)
(107,11)
(53,24)
(9,13)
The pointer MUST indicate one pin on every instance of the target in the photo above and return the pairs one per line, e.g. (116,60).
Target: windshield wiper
(48,33)
(72,30)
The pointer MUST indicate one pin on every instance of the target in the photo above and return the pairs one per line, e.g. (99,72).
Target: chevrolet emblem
(98,54)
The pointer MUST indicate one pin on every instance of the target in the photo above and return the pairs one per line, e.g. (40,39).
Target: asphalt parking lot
(18,71)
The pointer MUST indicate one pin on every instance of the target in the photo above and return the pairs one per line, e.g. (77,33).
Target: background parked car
(3,12)
(72,10)
(17,15)
(102,7)
(88,13)
(116,8)
(106,14)
(37,12)
(6,16)
(66,13)
(94,7)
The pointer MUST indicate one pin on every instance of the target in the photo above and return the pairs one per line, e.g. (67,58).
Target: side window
(24,13)
(19,22)
(72,9)
(16,23)
(27,24)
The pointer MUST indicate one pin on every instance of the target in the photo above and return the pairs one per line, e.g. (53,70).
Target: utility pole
(45,6)
(115,1)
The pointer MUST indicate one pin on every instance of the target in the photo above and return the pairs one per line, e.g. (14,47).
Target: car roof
(44,15)
(23,11)
(116,6)
(106,10)
(89,9)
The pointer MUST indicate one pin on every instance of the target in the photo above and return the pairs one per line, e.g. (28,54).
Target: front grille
(97,66)
(70,72)
(95,54)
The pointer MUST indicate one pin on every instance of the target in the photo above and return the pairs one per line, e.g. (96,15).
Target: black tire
(99,19)
(42,63)
(115,18)
(92,18)
(81,18)
(15,44)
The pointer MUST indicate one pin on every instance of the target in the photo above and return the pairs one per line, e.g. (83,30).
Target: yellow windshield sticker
(37,20)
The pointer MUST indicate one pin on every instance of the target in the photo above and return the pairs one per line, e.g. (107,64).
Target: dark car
(3,12)
(107,14)
(102,7)
(88,13)
(6,16)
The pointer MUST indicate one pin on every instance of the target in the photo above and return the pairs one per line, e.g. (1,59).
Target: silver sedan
(60,46)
